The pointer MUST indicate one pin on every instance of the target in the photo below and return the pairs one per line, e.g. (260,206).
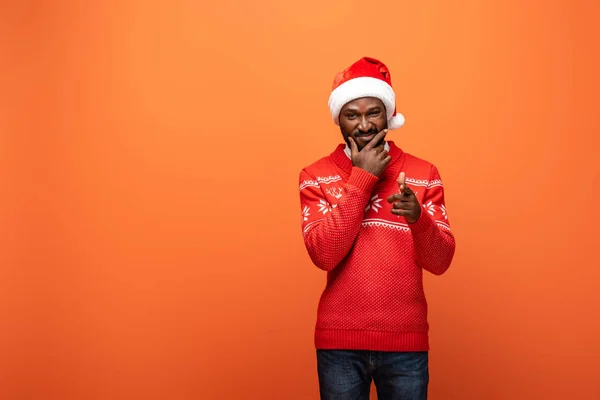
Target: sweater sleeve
(434,242)
(329,230)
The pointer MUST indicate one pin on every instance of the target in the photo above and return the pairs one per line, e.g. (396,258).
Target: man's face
(362,119)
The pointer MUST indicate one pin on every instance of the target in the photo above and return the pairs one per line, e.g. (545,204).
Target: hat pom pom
(396,121)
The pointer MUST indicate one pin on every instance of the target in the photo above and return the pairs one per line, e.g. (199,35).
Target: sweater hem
(341,339)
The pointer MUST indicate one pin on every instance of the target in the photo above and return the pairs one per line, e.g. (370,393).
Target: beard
(357,134)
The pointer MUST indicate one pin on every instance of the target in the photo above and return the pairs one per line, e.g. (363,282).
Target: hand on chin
(363,140)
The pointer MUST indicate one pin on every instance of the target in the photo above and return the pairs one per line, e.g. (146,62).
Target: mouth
(365,137)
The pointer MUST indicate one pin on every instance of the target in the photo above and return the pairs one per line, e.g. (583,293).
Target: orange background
(150,151)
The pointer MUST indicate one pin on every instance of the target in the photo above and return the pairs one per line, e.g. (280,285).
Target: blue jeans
(347,374)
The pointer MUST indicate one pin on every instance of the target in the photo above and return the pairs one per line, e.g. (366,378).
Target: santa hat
(367,77)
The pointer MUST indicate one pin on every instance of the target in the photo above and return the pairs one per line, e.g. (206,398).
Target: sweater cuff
(423,224)
(362,179)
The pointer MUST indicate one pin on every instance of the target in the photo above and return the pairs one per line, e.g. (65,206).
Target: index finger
(407,191)
(376,139)
(402,180)
(404,189)
(353,147)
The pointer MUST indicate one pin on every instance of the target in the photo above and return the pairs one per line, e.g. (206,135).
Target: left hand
(405,202)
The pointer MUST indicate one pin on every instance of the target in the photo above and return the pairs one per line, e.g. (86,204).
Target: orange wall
(150,215)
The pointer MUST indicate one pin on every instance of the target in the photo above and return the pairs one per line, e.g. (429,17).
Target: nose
(364,124)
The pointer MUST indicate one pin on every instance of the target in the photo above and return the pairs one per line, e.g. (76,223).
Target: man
(374,218)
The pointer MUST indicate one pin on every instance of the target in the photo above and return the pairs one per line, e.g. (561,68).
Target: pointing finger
(407,191)
(404,189)
(402,182)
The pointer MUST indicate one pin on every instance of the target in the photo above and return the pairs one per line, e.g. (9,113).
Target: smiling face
(362,119)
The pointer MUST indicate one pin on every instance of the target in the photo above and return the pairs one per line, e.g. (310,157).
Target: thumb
(402,181)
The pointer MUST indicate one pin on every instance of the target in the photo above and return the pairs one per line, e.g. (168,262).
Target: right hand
(372,158)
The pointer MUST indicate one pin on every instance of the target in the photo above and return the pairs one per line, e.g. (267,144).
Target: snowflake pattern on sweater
(335,193)
(374,297)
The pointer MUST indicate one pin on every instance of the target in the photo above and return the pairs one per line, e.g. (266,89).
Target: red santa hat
(367,77)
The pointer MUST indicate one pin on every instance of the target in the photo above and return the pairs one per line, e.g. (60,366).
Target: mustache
(372,131)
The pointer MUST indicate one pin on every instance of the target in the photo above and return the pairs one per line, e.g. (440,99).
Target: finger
(401,198)
(373,143)
(404,189)
(353,147)
(402,213)
(380,146)
(394,197)
(403,205)
(402,181)
(407,191)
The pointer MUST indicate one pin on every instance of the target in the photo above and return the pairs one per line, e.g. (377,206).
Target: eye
(374,113)
(350,116)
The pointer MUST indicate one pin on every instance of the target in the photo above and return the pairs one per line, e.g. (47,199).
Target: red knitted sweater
(374,298)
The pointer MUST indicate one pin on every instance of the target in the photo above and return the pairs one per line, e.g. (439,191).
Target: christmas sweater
(374,297)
